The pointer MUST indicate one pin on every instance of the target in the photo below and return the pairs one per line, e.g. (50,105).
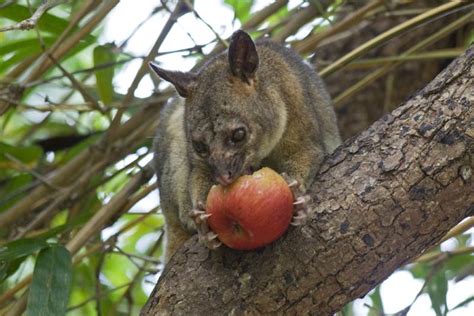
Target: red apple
(252,212)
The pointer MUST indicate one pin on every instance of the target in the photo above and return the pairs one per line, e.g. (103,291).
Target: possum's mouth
(229,178)
(224,180)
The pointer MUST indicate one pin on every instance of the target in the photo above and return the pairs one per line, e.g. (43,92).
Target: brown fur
(281,104)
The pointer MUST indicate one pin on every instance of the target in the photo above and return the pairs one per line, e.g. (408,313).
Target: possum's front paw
(301,209)
(206,236)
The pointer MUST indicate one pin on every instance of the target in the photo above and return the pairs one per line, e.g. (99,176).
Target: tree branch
(30,23)
(380,200)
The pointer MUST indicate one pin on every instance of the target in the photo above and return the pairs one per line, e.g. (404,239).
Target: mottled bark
(380,201)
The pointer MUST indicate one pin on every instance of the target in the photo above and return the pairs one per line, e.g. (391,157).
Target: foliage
(52,280)
(75,150)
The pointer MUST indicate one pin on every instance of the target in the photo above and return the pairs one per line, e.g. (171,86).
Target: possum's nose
(225,168)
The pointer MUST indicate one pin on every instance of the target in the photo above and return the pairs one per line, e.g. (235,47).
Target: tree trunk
(380,200)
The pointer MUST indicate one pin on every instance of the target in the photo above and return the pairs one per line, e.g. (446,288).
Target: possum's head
(233,119)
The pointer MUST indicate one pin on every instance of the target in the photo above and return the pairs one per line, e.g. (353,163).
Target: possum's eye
(238,135)
(200,147)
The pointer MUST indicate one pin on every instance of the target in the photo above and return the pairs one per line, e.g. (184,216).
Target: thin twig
(85,70)
(96,297)
(444,255)
(196,14)
(137,275)
(299,19)
(135,30)
(425,56)
(459,228)
(262,15)
(7,3)
(25,168)
(31,22)
(76,84)
(178,11)
(310,43)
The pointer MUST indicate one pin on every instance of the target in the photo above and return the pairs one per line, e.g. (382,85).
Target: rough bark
(380,200)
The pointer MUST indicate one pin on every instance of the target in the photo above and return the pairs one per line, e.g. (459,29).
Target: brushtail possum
(258,104)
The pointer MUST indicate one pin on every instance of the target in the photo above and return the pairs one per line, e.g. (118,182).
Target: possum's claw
(210,240)
(301,200)
(206,236)
(299,218)
(301,210)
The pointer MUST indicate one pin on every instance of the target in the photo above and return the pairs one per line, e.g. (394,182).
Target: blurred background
(78,111)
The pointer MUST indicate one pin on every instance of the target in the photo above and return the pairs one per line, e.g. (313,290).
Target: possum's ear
(243,57)
(184,82)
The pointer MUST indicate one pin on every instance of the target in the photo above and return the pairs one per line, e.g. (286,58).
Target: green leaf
(139,296)
(437,289)
(377,304)
(51,285)
(28,44)
(14,189)
(348,309)
(146,228)
(278,16)
(103,54)
(14,59)
(20,49)
(118,270)
(72,152)
(84,283)
(463,303)
(118,181)
(420,270)
(5,119)
(7,268)
(456,264)
(54,128)
(20,248)
(469,39)
(25,154)
(241,8)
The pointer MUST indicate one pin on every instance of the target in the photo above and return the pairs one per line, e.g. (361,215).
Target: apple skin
(252,212)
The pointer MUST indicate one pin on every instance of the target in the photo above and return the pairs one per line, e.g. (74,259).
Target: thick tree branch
(379,201)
